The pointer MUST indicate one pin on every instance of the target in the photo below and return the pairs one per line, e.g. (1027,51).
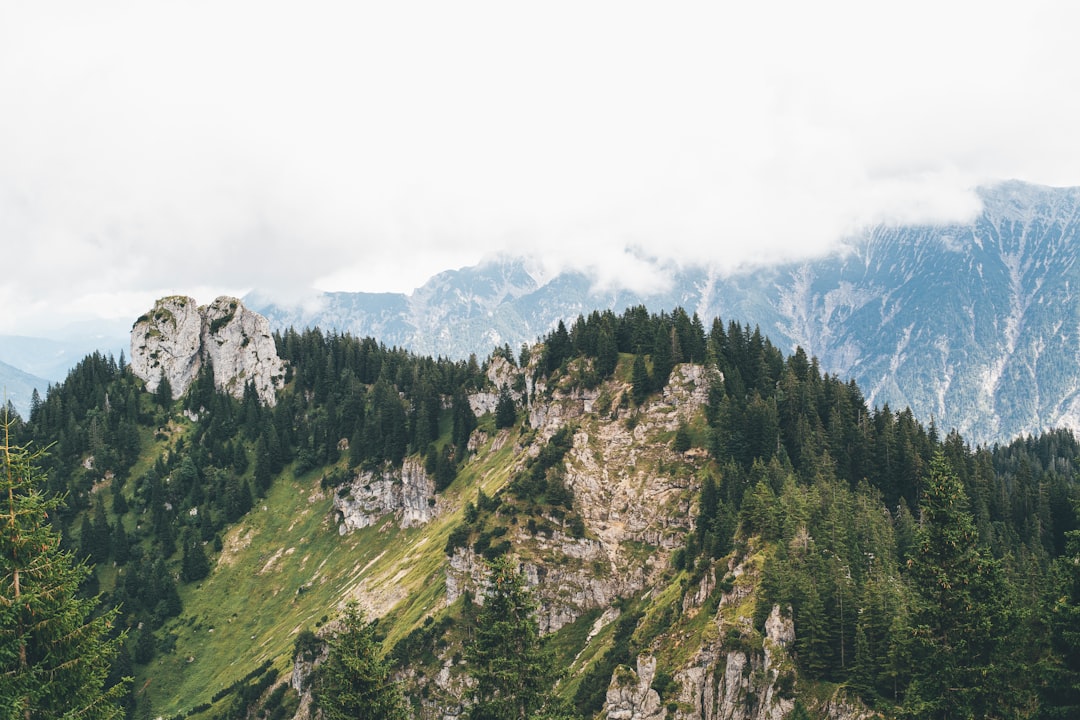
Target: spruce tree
(960,618)
(640,380)
(354,681)
(1061,691)
(505,409)
(513,670)
(56,650)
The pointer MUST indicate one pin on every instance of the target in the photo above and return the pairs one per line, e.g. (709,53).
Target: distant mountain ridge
(33,363)
(18,388)
(976,326)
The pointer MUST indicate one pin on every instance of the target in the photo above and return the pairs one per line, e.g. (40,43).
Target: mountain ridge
(970,324)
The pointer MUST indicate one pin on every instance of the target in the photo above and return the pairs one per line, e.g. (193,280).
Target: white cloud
(146,148)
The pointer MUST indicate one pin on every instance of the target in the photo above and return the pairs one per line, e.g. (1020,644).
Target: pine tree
(607,353)
(55,650)
(640,380)
(505,409)
(1061,694)
(354,681)
(512,667)
(960,618)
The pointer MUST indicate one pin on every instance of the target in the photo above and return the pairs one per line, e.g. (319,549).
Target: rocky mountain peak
(177,338)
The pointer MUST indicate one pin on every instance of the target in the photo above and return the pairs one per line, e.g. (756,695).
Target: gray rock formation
(177,338)
(635,513)
(630,695)
(409,492)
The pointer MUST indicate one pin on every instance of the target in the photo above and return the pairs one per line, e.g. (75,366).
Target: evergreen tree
(1061,693)
(55,649)
(607,353)
(354,681)
(464,421)
(513,670)
(505,409)
(163,394)
(640,380)
(264,475)
(662,355)
(960,616)
(194,565)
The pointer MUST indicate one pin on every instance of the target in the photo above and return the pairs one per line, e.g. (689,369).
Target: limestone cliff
(408,491)
(177,338)
(632,492)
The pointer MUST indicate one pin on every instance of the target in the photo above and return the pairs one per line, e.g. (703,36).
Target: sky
(204,148)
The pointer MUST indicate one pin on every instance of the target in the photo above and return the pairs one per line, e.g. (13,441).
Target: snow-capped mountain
(976,326)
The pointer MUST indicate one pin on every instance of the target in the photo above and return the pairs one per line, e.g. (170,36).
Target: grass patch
(282,570)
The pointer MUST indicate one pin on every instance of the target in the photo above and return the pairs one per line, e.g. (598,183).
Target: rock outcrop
(408,492)
(178,338)
(635,510)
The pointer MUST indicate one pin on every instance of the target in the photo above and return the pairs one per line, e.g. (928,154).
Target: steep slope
(977,326)
(974,325)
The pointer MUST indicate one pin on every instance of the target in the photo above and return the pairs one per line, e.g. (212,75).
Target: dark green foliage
(355,681)
(307,646)
(163,393)
(194,565)
(445,468)
(640,381)
(420,645)
(663,355)
(56,648)
(961,616)
(505,409)
(464,422)
(557,349)
(513,669)
(798,459)
(1061,692)
(541,478)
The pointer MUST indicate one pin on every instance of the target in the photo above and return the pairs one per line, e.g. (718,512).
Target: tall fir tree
(961,614)
(56,649)
(1061,671)
(512,667)
(354,681)
(505,409)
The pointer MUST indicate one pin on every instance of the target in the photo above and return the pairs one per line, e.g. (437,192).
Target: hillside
(974,325)
(710,529)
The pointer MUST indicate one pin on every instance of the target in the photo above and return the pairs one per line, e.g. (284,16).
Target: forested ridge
(927,577)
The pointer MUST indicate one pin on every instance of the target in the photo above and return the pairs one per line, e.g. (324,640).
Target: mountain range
(34,363)
(975,326)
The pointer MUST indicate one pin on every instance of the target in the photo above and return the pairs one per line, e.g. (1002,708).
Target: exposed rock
(630,695)
(407,491)
(465,571)
(499,373)
(167,342)
(242,350)
(634,514)
(177,338)
(722,682)
(300,680)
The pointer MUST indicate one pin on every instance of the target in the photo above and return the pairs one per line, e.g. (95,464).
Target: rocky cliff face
(634,504)
(177,338)
(408,492)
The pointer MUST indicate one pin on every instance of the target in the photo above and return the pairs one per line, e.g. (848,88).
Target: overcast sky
(151,148)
